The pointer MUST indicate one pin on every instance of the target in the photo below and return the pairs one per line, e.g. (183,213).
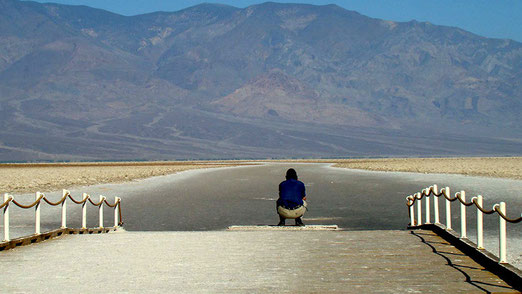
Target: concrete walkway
(245,262)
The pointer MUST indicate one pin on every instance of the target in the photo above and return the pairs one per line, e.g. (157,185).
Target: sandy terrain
(498,167)
(495,167)
(22,178)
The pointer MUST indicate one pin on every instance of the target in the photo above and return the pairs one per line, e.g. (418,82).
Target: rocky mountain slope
(270,80)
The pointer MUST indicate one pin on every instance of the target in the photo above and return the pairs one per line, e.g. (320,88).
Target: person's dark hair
(291,174)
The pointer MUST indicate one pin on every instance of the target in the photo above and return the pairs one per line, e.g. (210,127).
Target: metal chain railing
(30,205)
(8,199)
(499,208)
(55,203)
(96,204)
(6,202)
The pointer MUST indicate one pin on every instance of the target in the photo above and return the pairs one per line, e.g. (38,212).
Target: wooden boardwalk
(246,262)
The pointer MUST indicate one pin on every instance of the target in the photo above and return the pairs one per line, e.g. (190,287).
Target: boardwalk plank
(247,262)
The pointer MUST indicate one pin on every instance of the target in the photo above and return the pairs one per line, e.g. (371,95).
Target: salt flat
(21,178)
(213,199)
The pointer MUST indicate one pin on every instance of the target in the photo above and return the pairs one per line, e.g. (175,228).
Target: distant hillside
(270,80)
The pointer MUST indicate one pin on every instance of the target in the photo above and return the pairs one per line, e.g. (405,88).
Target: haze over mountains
(270,80)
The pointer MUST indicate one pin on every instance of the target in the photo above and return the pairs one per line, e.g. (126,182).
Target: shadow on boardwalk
(475,274)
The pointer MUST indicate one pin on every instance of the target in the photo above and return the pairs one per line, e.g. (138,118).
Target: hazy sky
(490,18)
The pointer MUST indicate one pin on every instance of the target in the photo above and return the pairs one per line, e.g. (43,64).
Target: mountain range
(267,81)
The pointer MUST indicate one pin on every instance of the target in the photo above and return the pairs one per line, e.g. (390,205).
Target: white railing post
(436,204)
(116,218)
(100,211)
(412,215)
(37,215)
(480,226)
(502,234)
(64,209)
(6,218)
(463,233)
(448,207)
(419,210)
(428,211)
(84,211)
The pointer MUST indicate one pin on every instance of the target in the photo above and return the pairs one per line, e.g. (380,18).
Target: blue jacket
(291,193)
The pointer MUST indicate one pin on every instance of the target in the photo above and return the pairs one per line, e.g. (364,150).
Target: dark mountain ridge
(269,80)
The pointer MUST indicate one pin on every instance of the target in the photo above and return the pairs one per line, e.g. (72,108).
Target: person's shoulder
(300,183)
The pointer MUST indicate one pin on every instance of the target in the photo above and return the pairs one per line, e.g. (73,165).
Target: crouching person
(291,203)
